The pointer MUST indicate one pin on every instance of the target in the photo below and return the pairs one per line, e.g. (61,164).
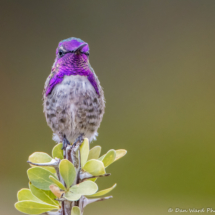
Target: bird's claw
(65,142)
(79,140)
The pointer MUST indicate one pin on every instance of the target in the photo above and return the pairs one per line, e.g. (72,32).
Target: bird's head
(72,52)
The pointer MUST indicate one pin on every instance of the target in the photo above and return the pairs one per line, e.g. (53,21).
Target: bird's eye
(61,53)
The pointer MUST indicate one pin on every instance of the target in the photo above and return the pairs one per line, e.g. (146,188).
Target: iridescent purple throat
(59,75)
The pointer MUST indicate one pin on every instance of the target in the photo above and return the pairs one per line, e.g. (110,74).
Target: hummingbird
(73,99)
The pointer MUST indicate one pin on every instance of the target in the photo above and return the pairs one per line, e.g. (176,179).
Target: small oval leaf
(103,192)
(94,167)
(57,151)
(57,182)
(41,157)
(72,196)
(30,207)
(109,157)
(76,210)
(67,171)
(94,152)
(26,194)
(44,195)
(84,188)
(120,153)
(39,177)
(84,150)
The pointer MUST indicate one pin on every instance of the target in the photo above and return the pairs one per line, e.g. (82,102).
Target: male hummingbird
(73,97)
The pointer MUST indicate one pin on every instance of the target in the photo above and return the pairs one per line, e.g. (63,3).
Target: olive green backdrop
(156,62)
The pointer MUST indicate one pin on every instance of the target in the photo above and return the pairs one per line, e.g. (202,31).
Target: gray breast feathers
(73,108)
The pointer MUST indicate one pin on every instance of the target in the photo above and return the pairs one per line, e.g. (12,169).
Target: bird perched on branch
(73,98)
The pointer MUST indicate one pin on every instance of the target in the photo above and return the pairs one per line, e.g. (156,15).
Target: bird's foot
(79,140)
(65,142)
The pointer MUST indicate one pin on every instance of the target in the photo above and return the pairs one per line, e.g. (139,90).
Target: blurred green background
(155,61)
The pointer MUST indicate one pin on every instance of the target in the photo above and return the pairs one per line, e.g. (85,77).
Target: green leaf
(26,194)
(41,157)
(31,207)
(39,177)
(57,151)
(84,188)
(94,152)
(109,157)
(103,192)
(57,182)
(44,195)
(75,210)
(72,196)
(120,153)
(84,150)
(67,171)
(101,158)
(94,167)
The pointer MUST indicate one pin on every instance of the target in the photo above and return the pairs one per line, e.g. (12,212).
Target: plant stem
(71,153)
